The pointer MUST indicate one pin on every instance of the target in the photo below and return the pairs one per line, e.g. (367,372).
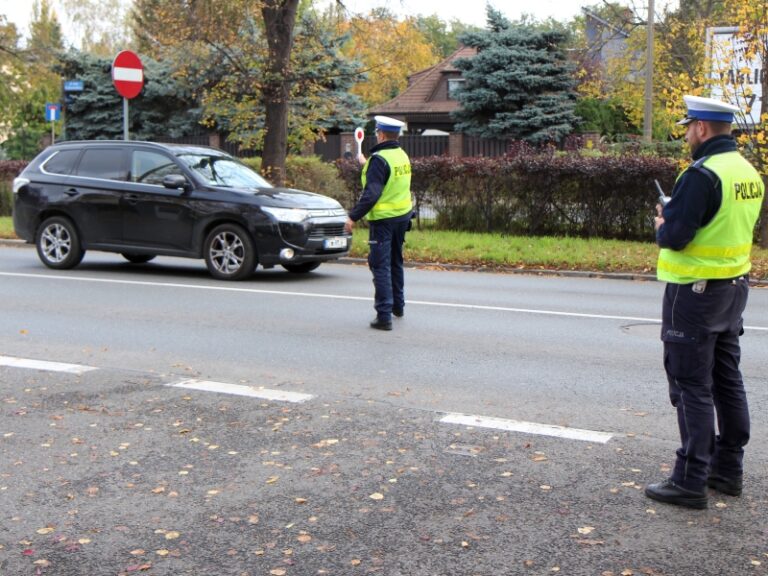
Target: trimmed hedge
(538,193)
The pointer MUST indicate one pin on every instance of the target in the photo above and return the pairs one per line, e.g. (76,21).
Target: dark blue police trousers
(701,333)
(385,259)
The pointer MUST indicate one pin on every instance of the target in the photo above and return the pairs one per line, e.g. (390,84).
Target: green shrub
(310,173)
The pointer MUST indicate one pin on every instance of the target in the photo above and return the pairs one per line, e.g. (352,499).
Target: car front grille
(320,231)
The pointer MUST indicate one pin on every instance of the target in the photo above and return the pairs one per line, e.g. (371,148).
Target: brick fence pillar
(456,144)
(214,139)
(347,144)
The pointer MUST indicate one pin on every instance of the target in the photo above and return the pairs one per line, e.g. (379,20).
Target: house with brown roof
(428,100)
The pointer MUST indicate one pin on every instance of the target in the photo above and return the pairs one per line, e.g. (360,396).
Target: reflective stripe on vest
(395,198)
(720,249)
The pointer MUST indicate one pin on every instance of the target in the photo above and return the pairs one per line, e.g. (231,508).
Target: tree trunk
(279,20)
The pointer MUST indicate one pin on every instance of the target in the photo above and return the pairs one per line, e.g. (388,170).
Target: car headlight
(292,215)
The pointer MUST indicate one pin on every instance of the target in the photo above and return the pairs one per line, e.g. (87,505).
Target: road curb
(467,268)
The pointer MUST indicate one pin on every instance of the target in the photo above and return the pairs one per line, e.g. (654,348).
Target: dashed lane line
(241,390)
(527,427)
(44,365)
(299,397)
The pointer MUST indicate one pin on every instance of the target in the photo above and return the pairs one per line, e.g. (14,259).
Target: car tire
(301,268)
(138,258)
(58,243)
(229,253)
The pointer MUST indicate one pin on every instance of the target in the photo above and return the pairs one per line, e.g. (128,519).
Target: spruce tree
(518,86)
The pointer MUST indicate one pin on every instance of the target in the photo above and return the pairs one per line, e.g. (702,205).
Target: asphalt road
(117,470)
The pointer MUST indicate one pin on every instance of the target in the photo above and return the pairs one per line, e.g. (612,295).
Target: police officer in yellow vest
(705,233)
(386,204)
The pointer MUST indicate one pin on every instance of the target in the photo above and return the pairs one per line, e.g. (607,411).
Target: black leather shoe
(730,486)
(381,325)
(669,492)
(399,312)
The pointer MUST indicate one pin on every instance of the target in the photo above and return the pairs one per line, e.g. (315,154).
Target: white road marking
(44,365)
(527,427)
(240,390)
(355,298)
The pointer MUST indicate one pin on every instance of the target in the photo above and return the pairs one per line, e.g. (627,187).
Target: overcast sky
(467,11)
(473,11)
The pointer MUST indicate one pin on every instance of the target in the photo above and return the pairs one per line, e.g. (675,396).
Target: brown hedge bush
(9,169)
(537,192)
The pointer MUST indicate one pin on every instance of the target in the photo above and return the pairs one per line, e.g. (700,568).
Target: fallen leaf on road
(376,496)
(586,530)
(46,530)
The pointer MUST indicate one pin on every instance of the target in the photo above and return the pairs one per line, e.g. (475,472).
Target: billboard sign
(736,74)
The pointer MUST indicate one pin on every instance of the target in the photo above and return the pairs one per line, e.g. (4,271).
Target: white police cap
(387,124)
(707,109)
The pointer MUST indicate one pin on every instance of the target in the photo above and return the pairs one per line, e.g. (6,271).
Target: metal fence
(488,147)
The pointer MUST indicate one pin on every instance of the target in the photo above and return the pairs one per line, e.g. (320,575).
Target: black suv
(144,199)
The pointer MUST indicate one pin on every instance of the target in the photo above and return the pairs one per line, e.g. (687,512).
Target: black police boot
(670,493)
(730,486)
(380,324)
(399,312)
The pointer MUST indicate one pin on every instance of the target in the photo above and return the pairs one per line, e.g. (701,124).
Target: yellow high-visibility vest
(395,198)
(721,249)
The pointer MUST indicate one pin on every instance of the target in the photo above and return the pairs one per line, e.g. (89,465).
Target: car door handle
(131,198)
(72,192)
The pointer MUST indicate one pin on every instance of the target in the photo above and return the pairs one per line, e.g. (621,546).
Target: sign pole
(125,118)
(128,78)
(53,137)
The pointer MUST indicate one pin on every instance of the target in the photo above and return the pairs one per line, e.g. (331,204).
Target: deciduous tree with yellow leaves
(390,50)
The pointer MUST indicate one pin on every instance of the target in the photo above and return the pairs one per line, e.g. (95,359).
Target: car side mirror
(176,181)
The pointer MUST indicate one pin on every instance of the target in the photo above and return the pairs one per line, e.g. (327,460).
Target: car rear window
(61,162)
(107,163)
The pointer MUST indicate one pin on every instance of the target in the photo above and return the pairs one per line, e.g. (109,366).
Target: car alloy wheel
(229,253)
(58,244)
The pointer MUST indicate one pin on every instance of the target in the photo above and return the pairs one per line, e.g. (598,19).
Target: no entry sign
(128,74)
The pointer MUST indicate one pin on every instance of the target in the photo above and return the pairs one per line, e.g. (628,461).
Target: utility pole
(648,111)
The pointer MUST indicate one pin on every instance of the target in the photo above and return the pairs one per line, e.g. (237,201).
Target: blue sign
(52,111)
(73,86)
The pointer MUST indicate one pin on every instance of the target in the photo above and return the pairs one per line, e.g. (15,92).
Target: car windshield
(223,171)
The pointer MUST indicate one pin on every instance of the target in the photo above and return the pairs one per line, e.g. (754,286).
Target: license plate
(331,243)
